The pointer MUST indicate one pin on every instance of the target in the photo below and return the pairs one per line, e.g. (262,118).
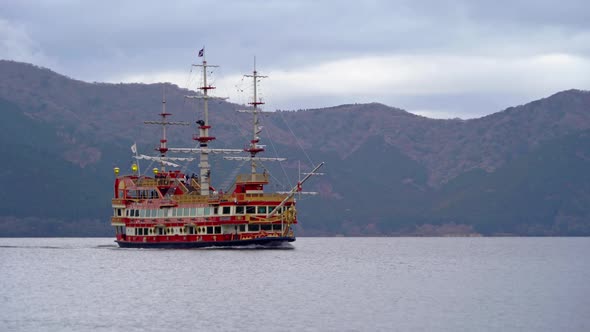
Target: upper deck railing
(252,178)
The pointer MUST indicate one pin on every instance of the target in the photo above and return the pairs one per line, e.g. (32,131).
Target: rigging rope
(297,140)
(267,133)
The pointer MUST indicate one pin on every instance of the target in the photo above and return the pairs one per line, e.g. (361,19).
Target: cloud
(400,80)
(17,44)
(440,56)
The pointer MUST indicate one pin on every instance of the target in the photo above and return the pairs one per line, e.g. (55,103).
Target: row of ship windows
(195,230)
(194,212)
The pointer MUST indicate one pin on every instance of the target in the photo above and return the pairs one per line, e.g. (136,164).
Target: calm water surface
(324,284)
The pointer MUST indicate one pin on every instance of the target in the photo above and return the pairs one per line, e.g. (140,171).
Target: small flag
(134,148)
(202,52)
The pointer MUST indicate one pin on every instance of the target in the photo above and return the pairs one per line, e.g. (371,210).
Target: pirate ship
(170,209)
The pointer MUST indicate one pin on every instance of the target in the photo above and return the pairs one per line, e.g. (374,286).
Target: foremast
(254,148)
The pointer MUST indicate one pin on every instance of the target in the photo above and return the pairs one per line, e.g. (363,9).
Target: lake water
(324,284)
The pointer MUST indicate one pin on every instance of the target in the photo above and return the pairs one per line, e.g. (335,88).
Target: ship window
(277,227)
(239,210)
(142,213)
(185,212)
(207,211)
(250,209)
(226,210)
(253,228)
(217,229)
(193,212)
(140,231)
(266,227)
(126,213)
(174,212)
(242,228)
(215,210)
(199,212)
(160,213)
(209,230)
(262,209)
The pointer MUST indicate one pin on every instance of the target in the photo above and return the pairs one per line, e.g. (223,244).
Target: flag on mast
(202,52)
(134,148)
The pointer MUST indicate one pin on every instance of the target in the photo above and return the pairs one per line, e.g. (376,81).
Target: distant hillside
(389,172)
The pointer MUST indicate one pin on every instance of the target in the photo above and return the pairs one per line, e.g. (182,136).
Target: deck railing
(188,198)
(258,178)
(264,197)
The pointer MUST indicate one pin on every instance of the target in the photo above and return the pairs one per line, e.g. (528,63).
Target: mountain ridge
(395,163)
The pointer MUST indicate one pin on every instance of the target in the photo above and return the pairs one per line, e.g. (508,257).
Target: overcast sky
(461,58)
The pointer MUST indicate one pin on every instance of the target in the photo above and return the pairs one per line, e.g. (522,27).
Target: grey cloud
(98,40)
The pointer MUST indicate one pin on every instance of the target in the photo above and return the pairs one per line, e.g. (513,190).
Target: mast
(203,137)
(253,149)
(163,148)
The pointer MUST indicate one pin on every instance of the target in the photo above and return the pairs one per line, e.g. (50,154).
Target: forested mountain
(524,170)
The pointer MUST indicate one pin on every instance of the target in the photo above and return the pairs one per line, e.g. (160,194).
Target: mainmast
(203,137)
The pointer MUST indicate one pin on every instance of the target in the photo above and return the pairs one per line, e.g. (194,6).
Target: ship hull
(265,243)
